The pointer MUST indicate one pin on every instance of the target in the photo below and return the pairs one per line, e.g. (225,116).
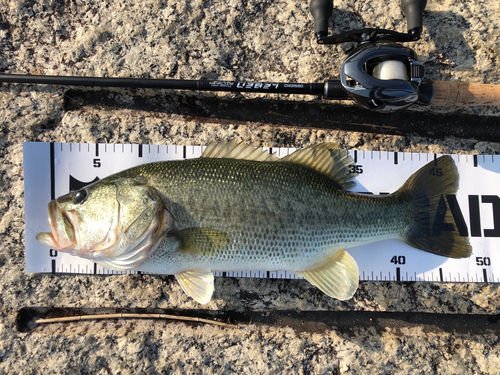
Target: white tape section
(53,169)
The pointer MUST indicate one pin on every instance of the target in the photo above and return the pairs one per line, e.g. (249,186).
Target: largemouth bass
(238,208)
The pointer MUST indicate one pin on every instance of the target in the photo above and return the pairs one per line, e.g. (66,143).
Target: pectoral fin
(201,241)
(337,277)
(198,284)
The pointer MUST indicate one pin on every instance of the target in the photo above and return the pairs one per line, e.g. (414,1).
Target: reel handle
(321,11)
(413,9)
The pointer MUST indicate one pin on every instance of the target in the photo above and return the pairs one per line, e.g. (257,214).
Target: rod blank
(177,84)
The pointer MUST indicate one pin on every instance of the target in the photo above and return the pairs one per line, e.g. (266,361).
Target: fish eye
(80,196)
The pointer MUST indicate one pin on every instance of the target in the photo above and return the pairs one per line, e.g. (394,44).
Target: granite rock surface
(257,40)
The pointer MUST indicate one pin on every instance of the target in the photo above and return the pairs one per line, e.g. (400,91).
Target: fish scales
(277,215)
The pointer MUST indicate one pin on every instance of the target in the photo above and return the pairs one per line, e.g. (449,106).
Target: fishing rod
(379,74)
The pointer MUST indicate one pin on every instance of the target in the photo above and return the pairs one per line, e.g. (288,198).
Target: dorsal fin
(235,150)
(326,158)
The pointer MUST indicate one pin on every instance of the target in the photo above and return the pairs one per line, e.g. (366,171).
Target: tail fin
(432,227)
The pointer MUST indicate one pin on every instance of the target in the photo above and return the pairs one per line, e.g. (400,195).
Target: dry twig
(136,316)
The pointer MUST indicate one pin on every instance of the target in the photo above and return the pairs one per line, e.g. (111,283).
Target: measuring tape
(53,169)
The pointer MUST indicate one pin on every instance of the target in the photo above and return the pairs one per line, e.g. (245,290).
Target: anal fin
(337,277)
(198,284)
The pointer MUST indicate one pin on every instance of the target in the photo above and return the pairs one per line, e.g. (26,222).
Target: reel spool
(390,69)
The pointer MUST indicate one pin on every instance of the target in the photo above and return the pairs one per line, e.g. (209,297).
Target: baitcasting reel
(379,73)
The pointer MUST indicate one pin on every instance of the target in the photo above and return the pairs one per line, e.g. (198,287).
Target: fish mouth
(62,235)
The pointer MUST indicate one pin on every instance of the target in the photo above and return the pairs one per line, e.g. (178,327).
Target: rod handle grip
(321,11)
(465,94)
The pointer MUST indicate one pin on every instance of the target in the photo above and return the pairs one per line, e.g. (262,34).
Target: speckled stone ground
(232,40)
